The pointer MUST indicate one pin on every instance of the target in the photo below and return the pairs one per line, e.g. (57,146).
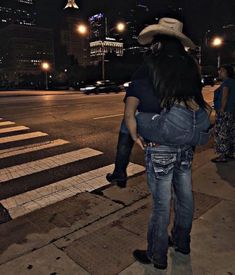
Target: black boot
(124,147)
(179,244)
(141,256)
(4,215)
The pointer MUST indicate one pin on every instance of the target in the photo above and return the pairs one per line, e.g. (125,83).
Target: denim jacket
(177,126)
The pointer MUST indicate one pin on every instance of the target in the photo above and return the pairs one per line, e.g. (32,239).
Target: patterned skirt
(225,133)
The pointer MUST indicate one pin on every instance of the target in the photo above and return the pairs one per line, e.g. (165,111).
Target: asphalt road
(84,120)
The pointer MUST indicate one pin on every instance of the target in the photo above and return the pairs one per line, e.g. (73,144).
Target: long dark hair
(175,75)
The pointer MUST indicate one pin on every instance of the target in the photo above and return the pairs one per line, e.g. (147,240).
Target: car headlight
(89,88)
(127,84)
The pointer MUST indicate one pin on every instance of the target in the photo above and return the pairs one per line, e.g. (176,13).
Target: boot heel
(121,183)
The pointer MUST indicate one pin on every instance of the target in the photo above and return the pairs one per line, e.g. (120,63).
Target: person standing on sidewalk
(142,87)
(176,81)
(224,104)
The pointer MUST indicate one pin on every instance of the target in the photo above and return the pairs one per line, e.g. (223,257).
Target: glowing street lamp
(46,67)
(217,42)
(121,27)
(82,29)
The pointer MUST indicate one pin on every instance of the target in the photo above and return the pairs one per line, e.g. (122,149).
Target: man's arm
(130,120)
(129,115)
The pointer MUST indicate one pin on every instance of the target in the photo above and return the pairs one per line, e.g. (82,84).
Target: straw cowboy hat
(166,26)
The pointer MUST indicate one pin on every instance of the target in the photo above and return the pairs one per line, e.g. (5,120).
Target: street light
(46,67)
(217,42)
(120,27)
(82,29)
(204,42)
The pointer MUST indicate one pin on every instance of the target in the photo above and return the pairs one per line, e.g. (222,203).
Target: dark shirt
(142,88)
(230,106)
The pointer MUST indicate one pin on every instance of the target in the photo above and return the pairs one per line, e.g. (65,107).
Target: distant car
(102,86)
(126,84)
(208,80)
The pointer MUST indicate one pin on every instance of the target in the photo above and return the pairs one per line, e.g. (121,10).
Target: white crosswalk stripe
(22,137)
(12,129)
(5,123)
(41,197)
(37,198)
(36,166)
(31,148)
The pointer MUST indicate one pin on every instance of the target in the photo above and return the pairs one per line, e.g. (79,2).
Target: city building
(100,48)
(76,44)
(136,20)
(98,27)
(102,41)
(21,12)
(23,49)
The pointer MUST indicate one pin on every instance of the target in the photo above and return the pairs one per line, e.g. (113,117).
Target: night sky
(198,15)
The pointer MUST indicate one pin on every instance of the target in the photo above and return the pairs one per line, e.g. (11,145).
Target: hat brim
(147,34)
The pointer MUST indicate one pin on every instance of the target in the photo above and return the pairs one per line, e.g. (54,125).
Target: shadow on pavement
(181,264)
(226,171)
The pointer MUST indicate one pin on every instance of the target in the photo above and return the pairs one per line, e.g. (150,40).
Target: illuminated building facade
(20,12)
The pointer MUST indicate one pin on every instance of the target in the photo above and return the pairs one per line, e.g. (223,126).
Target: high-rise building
(100,41)
(23,49)
(136,18)
(98,27)
(76,44)
(20,12)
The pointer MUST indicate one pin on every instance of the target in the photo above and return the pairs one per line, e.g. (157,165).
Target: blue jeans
(169,171)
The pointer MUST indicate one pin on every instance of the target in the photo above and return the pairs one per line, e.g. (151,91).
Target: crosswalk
(40,195)
(6,123)
(22,137)
(13,129)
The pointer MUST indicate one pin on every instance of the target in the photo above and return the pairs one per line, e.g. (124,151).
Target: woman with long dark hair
(169,138)
(224,104)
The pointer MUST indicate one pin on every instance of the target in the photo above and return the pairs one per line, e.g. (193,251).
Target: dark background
(198,15)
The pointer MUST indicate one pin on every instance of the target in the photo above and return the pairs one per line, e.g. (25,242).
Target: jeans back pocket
(163,163)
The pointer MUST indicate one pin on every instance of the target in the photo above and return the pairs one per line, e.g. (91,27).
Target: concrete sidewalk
(95,233)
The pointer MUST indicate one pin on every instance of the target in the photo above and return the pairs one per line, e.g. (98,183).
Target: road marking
(36,166)
(101,117)
(5,123)
(31,148)
(12,129)
(22,137)
(27,202)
